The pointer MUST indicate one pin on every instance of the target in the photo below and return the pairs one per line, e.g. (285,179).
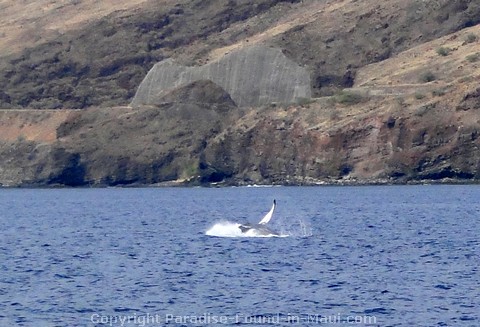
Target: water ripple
(407,256)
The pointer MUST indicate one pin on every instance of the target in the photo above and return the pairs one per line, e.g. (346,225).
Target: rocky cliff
(395,89)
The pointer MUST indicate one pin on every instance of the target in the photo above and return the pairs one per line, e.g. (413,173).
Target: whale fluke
(269,215)
(260,228)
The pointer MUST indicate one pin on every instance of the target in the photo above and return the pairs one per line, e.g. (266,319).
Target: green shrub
(466,79)
(419,95)
(471,38)
(305,101)
(333,115)
(190,171)
(349,97)
(427,77)
(400,100)
(423,110)
(473,57)
(443,51)
(439,92)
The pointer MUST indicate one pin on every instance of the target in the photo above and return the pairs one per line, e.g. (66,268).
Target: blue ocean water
(356,256)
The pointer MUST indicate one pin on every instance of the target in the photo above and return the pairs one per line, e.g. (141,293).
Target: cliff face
(117,146)
(29,152)
(431,142)
(409,111)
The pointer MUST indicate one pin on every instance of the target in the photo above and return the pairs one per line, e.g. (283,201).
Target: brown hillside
(102,60)
(26,24)
(410,110)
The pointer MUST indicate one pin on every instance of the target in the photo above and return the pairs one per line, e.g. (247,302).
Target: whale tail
(260,229)
(269,215)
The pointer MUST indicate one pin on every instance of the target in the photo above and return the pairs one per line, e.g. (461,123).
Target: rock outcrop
(253,76)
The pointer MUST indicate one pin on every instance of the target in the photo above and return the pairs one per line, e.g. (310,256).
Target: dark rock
(72,170)
(391,122)
(471,101)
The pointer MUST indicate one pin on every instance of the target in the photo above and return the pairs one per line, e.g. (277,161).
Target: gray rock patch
(252,76)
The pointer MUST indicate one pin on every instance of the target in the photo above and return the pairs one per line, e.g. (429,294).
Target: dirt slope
(28,23)
(101,57)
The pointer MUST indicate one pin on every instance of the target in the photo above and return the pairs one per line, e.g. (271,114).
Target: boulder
(204,93)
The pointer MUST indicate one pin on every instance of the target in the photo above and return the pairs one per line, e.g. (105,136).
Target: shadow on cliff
(149,144)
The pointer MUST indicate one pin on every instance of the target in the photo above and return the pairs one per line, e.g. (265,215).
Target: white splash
(229,229)
(299,228)
(225,229)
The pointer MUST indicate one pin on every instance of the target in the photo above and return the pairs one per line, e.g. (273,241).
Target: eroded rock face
(252,76)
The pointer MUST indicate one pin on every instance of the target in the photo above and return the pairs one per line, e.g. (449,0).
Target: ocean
(351,256)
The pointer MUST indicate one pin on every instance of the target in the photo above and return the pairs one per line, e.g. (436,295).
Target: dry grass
(298,17)
(31,125)
(29,22)
(408,67)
